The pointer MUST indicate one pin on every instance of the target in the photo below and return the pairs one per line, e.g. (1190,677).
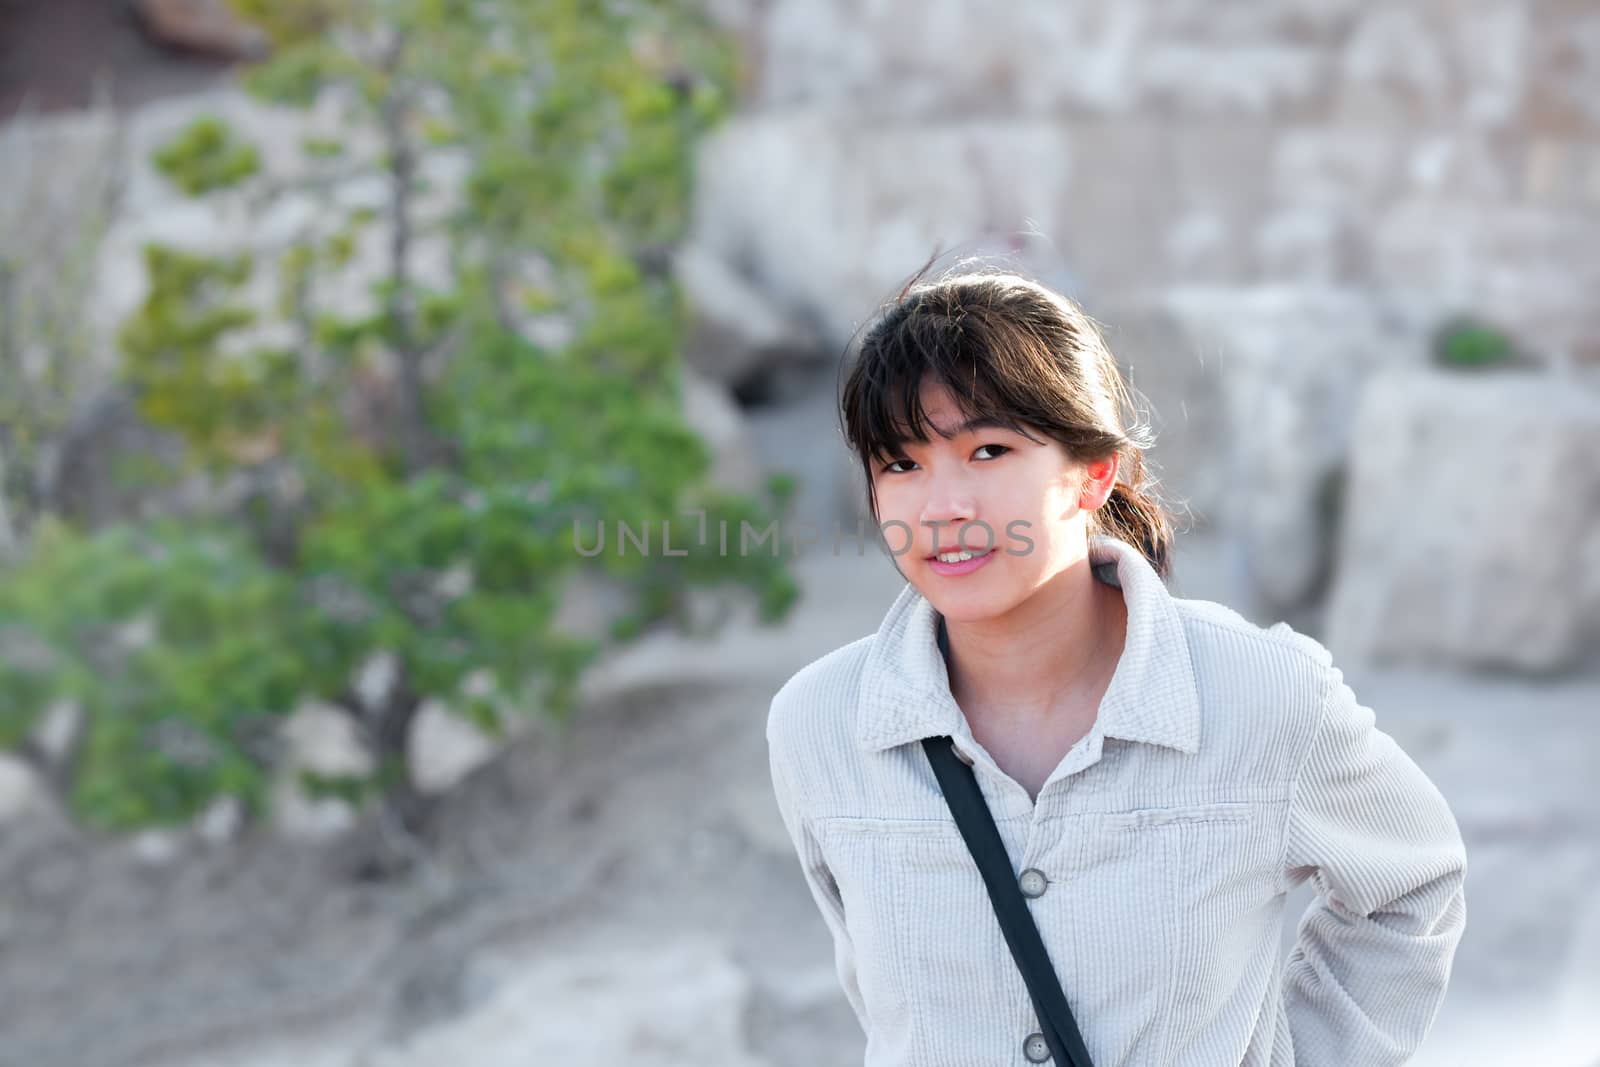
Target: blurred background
(336,337)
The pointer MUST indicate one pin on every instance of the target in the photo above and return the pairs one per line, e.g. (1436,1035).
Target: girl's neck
(1053,654)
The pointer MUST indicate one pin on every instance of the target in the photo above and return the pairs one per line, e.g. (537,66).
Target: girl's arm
(1368,971)
(820,881)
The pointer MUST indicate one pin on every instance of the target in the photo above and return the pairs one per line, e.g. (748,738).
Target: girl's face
(1017,505)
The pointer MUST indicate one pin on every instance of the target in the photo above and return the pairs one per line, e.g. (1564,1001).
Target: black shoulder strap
(962,793)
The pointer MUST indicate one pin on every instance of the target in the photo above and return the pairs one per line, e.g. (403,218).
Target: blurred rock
(833,213)
(801,436)
(710,411)
(444,748)
(1179,376)
(1405,66)
(301,817)
(58,731)
(1184,56)
(375,679)
(1274,202)
(322,739)
(156,848)
(1289,363)
(1529,265)
(1472,532)
(221,822)
(207,27)
(591,601)
(737,331)
(21,792)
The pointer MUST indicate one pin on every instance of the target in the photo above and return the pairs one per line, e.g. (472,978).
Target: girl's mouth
(958,562)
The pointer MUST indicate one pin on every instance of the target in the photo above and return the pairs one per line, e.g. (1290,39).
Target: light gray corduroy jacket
(1227,764)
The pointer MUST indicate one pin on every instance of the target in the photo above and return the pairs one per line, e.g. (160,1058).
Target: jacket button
(962,756)
(1036,1048)
(1033,882)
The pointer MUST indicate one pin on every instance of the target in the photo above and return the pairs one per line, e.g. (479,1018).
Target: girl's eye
(999,450)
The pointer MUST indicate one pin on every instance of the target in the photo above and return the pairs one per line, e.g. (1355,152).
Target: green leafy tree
(409,477)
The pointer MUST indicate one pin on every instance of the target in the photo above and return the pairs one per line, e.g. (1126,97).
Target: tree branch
(402,301)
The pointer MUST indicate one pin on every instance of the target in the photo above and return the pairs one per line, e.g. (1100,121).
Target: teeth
(957,557)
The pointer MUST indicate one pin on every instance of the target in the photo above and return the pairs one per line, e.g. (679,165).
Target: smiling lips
(954,552)
(957,565)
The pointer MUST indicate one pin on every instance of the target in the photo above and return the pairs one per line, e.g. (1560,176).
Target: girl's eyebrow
(970,426)
(973,425)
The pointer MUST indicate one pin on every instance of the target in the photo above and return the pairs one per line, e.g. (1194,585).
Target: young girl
(1162,772)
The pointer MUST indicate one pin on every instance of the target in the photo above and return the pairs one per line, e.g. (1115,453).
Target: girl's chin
(956,606)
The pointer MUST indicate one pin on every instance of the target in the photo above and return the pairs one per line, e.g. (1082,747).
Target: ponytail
(1135,516)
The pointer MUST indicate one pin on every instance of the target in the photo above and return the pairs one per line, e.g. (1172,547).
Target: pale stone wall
(1447,151)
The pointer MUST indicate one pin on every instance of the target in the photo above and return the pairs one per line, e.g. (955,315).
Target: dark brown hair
(1010,350)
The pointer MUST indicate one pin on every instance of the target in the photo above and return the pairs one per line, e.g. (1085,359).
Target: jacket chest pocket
(1217,894)
(936,974)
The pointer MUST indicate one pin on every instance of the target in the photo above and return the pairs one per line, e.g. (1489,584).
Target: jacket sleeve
(1373,953)
(819,880)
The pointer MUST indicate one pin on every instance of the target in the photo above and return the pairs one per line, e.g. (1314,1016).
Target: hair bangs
(883,406)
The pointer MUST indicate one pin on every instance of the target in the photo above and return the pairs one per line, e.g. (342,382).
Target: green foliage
(173,357)
(432,514)
(593,451)
(178,643)
(207,155)
(321,146)
(294,77)
(1467,343)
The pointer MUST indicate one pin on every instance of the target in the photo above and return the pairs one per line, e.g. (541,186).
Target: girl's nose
(943,516)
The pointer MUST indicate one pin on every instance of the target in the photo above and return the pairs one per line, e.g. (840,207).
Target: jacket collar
(905,690)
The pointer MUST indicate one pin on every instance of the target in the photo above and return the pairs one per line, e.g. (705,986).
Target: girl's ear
(1099,478)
